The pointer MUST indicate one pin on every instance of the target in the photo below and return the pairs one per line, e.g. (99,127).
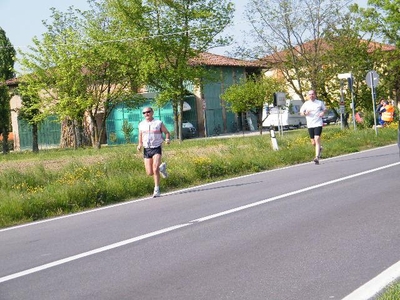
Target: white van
(286,117)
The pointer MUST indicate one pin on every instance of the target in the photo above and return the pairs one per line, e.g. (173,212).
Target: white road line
(375,285)
(171,193)
(89,253)
(172,228)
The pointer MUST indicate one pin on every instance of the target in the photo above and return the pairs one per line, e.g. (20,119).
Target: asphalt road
(303,232)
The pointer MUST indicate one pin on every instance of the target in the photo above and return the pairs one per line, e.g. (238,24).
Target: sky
(22,19)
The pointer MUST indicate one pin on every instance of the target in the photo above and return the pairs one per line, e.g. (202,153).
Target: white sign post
(372,80)
(280,101)
(349,78)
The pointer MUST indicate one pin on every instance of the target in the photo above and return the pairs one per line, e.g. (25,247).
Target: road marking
(375,285)
(89,253)
(175,227)
(174,192)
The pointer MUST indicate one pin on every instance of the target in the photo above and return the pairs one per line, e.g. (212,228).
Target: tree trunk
(78,134)
(95,132)
(180,120)
(260,120)
(67,134)
(74,135)
(98,145)
(176,120)
(5,140)
(35,138)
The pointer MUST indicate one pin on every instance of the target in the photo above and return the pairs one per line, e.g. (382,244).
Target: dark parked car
(330,117)
(188,130)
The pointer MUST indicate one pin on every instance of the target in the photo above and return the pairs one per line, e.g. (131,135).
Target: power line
(166,34)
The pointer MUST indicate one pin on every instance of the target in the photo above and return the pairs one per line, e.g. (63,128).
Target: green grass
(391,293)
(62,181)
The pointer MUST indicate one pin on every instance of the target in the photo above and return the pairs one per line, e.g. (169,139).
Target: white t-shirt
(151,133)
(314,108)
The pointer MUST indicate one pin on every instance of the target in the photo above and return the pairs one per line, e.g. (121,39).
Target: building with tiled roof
(207,110)
(315,46)
(210,59)
(310,46)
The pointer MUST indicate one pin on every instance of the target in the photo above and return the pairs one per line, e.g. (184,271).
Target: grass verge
(391,293)
(56,182)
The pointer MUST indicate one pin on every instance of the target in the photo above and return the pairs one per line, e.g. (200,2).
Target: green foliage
(348,52)
(291,35)
(382,19)
(79,72)
(252,93)
(7,56)
(175,33)
(31,103)
(310,47)
(368,120)
(127,129)
(391,293)
(31,110)
(5,122)
(382,16)
(113,137)
(56,182)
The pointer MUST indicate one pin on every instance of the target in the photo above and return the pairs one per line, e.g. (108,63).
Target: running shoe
(156,193)
(163,170)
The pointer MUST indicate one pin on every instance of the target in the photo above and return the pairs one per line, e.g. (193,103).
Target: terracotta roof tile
(374,45)
(210,59)
(12,81)
(204,58)
(309,46)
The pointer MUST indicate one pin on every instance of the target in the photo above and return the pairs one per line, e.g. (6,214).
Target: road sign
(372,79)
(279,99)
(344,76)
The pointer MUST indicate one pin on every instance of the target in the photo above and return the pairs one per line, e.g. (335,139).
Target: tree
(55,71)
(4,115)
(116,64)
(311,42)
(290,35)
(30,110)
(175,32)
(349,50)
(251,94)
(84,69)
(7,56)
(383,17)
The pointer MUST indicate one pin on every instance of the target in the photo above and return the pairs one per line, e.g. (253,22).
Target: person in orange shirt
(387,113)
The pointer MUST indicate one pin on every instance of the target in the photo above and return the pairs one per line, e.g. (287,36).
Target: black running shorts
(314,131)
(150,152)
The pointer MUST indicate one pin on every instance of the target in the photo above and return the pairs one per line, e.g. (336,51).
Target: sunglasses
(147,112)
